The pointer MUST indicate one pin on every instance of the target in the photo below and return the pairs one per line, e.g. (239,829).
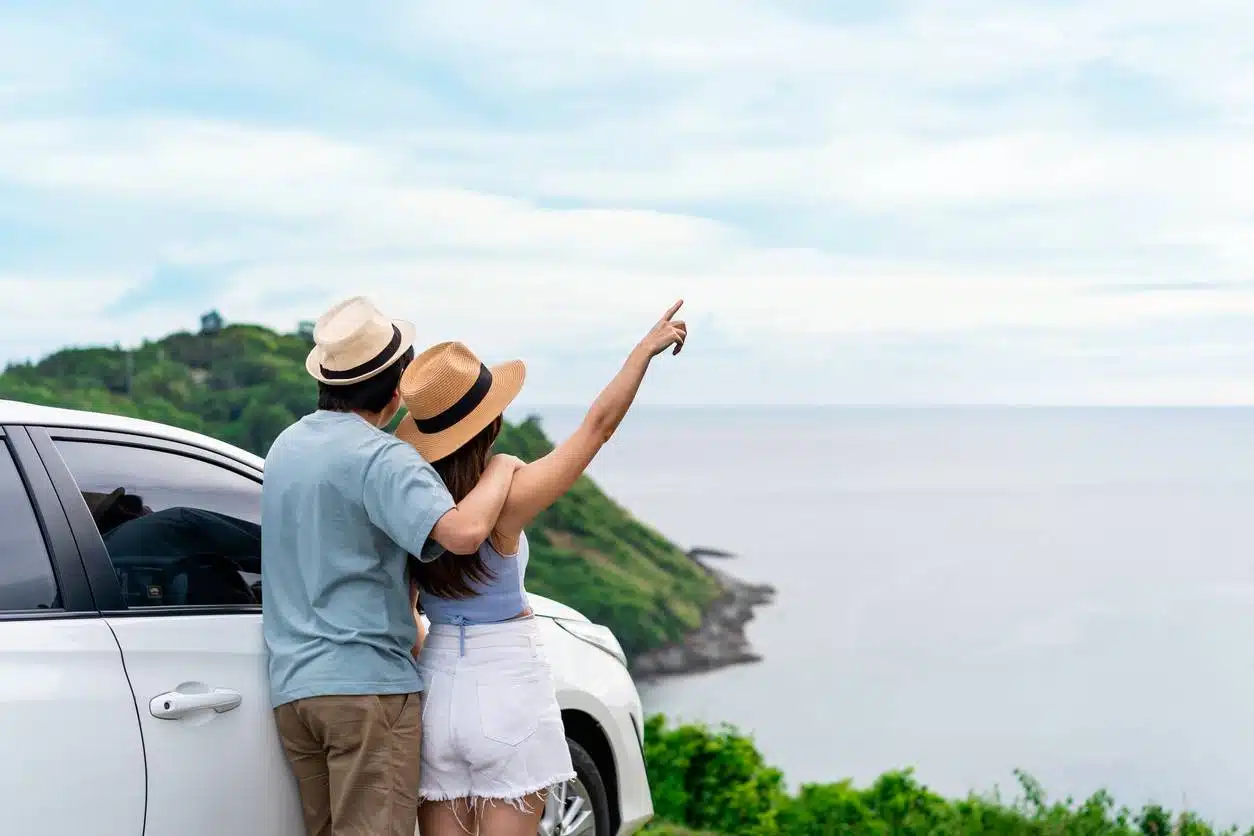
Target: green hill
(245,384)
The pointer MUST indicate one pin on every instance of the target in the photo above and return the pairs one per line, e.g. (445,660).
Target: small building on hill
(210,324)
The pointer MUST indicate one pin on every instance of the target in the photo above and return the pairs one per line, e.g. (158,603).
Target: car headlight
(596,635)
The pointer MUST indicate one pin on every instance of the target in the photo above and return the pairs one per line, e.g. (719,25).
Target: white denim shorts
(491,726)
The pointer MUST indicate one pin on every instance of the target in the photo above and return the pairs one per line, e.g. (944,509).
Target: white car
(133,696)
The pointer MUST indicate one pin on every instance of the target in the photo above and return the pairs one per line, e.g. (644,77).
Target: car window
(26,578)
(180,531)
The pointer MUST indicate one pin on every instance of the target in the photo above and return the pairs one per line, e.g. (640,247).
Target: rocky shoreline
(720,640)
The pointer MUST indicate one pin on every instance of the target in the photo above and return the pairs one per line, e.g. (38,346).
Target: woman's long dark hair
(451,575)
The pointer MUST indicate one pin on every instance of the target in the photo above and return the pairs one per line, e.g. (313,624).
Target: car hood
(548,608)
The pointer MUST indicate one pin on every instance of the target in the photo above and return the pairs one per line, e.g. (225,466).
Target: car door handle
(175,704)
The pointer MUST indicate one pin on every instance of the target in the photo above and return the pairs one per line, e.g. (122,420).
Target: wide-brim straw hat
(101,503)
(354,341)
(452,396)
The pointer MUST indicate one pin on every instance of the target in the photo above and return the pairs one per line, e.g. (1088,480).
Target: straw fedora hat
(451,396)
(354,341)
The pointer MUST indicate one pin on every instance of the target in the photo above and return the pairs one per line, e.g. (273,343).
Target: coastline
(720,641)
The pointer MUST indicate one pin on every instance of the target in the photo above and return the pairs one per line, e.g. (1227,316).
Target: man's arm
(463,528)
(404,496)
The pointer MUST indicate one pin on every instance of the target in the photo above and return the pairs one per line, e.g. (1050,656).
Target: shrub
(715,780)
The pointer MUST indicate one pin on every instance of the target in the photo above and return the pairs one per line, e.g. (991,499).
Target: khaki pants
(356,761)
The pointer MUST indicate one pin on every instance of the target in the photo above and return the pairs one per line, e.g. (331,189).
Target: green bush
(712,780)
(715,781)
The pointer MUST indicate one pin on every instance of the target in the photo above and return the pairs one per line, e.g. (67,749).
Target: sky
(944,201)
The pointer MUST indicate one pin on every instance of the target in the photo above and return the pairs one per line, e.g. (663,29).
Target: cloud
(954,201)
(46,56)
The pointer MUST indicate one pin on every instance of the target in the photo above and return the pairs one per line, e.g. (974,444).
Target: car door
(170,537)
(73,761)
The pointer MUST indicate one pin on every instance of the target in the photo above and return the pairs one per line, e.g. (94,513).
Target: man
(343,505)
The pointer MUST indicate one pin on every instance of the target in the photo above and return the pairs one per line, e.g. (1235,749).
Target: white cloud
(67,306)
(50,54)
(367,196)
(813,186)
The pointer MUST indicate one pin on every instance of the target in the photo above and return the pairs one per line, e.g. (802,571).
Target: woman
(493,742)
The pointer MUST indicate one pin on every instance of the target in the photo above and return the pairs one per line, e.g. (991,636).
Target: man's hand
(422,635)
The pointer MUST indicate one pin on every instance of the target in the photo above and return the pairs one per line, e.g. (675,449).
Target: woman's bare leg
(511,818)
(448,818)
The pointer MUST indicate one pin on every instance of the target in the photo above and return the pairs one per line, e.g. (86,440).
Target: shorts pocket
(510,706)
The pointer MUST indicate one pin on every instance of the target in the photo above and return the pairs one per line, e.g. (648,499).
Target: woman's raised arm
(538,485)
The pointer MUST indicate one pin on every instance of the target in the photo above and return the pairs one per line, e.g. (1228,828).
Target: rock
(697,553)
(720,640)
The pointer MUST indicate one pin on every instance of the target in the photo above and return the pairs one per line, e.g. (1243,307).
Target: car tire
(587,772)
(586,796)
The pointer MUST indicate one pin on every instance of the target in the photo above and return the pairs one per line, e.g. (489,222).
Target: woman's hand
(513,463)
(666,333)
(539,484)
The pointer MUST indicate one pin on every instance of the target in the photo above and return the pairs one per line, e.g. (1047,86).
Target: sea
(972,591)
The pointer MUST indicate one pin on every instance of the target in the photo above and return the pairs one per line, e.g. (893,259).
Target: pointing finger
(674,309)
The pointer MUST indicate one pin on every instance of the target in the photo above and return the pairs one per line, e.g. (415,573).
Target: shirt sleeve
(405,497)
(430,551)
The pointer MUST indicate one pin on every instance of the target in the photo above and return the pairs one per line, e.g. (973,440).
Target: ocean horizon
(970,590)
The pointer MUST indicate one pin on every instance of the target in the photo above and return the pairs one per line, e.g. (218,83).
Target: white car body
(82,681)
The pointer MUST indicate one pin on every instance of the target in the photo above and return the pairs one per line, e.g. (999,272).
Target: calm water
(1070,592)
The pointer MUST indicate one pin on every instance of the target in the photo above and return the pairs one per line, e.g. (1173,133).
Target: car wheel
(579,807)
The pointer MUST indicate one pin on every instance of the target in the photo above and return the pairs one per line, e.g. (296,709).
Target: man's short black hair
(371,395)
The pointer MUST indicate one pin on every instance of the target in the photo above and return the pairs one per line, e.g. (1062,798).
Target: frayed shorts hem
(513,796)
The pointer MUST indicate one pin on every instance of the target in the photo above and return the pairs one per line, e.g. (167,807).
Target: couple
(361,529)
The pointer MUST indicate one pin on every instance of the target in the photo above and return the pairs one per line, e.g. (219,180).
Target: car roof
(20,412)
